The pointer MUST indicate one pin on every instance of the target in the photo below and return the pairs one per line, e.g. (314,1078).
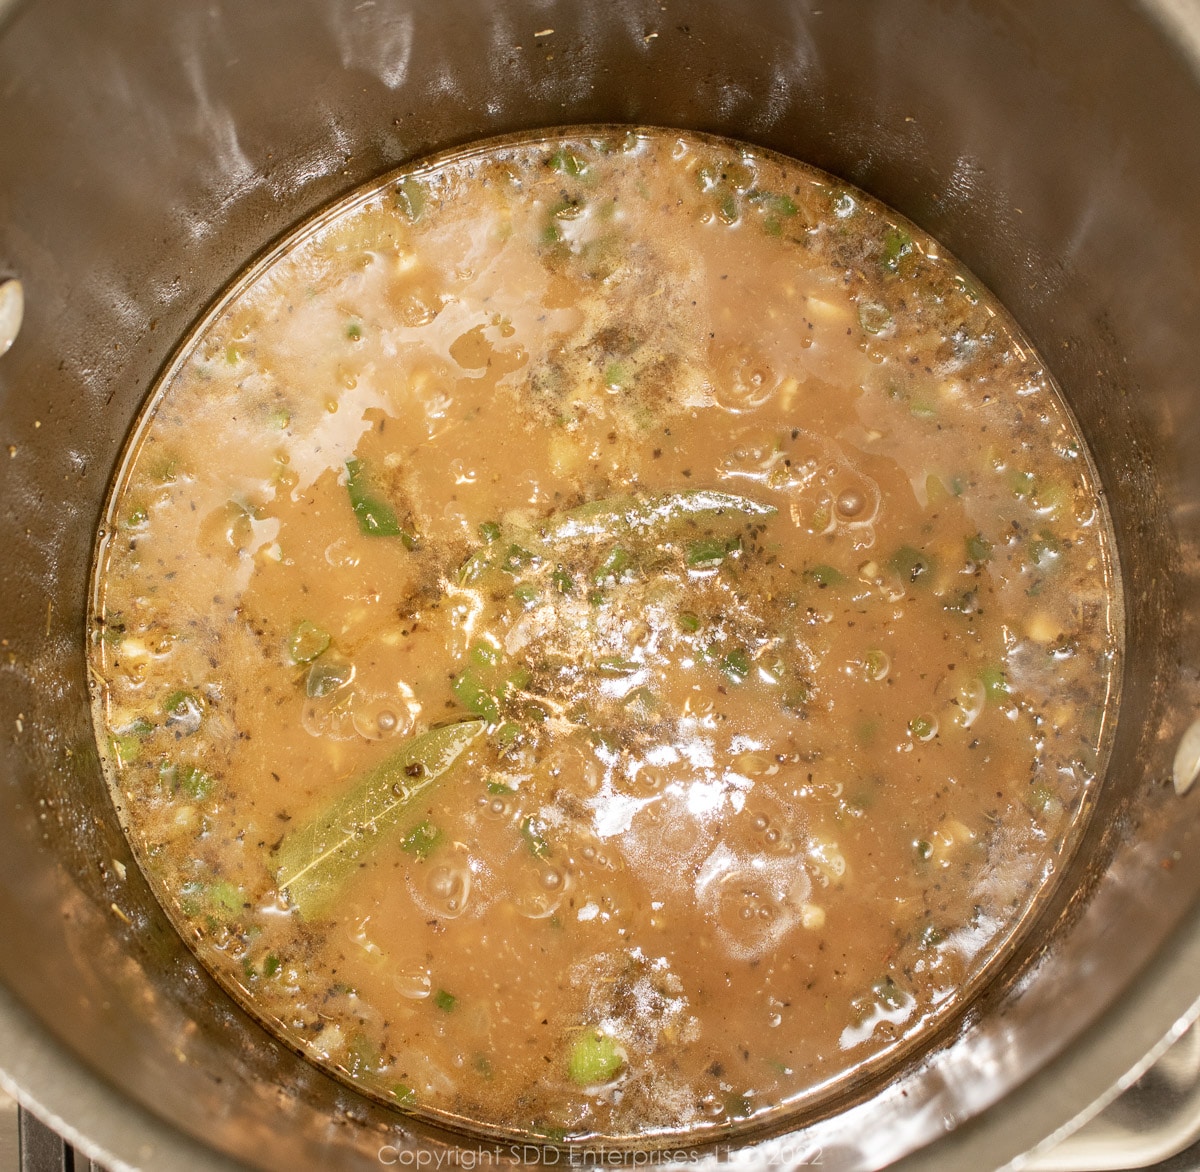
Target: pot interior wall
(149,150)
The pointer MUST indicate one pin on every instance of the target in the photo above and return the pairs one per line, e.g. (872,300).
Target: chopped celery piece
(376,518)
(935,491)
(307,642)
(126,742)
(526,593)
(1042,798)
(738,1106)
(873,317)
(617,375)
(1020,482)
(979,549)
(472,693)
(567,162)
(897,244)
(326,676)
(615,563)
(567,209)
(531,833)
(421,840)
(736,665)
(484,654)
(912,565)
(185,779)
(314,860)
(994,682)
(595,1058)
(516,559)
(796,697)
(184,710)
(823,576)
(688,621)
(1051,498)
(445,1001)
(964,602)
(362,1056)
(641,704)
(411,197)
(224,896)
(489,531)
(1044,550)
(774,203)
(708,551)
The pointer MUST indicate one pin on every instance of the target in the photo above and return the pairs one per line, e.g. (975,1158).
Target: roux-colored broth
(763,787)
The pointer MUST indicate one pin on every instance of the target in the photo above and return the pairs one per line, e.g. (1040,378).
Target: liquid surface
(604,636)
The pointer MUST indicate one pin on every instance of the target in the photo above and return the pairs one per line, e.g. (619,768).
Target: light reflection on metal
(12,310)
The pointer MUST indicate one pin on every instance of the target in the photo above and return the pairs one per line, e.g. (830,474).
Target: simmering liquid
(604,635)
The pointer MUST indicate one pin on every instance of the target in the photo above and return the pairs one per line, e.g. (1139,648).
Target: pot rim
(1159,1004)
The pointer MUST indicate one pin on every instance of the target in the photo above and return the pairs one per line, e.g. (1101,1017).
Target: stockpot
(149,148)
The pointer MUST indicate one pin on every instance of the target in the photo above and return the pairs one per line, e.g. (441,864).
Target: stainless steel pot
(147,149)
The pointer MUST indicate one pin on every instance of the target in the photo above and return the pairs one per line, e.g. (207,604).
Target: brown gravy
(750,554)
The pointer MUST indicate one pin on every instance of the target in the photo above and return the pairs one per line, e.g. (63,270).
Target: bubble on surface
(444,886)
